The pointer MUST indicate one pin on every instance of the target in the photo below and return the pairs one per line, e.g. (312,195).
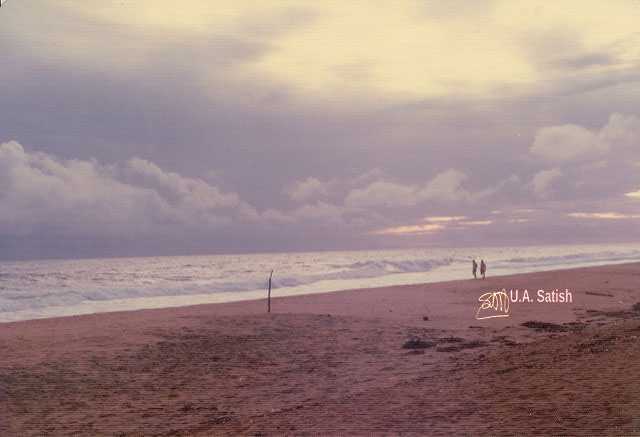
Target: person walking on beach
(475,268)
(483,268)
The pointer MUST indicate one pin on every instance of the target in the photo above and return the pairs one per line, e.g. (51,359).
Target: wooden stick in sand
(269,295)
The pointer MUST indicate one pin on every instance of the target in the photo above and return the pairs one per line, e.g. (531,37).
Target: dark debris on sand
(416,343)
(451,340)
(599,345)
(544,326)
(464,345)
(449,344)
(620,314)
(554,327)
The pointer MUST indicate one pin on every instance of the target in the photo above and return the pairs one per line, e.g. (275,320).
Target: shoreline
(362,361)
(252,300)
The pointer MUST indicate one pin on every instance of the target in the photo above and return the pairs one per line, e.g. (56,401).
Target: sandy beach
(410,360)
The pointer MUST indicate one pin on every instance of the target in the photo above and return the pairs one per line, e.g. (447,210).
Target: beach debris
(504,340)
(509,343)
(593,293)
(447,344)
(448,349)
(451,340)
(576,326)
(463,345)
(633,313)
(416,343)
(473,344)
(600,345)
(545,326)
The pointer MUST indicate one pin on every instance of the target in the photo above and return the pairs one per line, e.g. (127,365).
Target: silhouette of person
(483,268)
(475,268)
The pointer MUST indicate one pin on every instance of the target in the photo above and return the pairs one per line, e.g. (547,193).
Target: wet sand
(410,360)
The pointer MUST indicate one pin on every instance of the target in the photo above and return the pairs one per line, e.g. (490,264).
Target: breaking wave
(34,289)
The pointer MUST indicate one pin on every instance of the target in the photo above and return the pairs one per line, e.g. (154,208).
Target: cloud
(475,223)
(423,229)
(321,212)
(438,219)
(426,94)
(604,215)
(41,194)
(570,142)
(304,190)
(308,48)
(278,21)
(446,187)
(193,195)
(366,177)
(433,225)
(584,161)
(622,135)
(567,143)
(44,196)
(382,193)
(543,182)
(584,60)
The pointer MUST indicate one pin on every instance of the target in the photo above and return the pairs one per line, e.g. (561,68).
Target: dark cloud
(585,60)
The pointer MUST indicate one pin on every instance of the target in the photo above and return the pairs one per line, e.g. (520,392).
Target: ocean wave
(33,286)
(573,258)
(176,285)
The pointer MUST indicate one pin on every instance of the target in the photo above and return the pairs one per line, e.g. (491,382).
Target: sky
(132,128)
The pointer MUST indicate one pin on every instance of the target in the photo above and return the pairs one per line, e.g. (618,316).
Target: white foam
(36,289)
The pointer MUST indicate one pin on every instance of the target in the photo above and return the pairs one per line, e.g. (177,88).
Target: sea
(53,288)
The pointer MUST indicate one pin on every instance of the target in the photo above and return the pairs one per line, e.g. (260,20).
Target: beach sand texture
(334,364)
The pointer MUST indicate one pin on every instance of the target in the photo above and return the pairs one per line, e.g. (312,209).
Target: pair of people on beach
(483,268)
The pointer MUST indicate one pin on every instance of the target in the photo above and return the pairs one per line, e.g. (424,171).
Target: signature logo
(494,304)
